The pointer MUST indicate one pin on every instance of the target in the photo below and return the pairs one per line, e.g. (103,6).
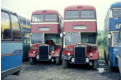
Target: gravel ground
(50,71)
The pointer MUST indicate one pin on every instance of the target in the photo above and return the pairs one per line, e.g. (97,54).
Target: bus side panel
(113,57)
(113,23)
(119,59)
(12,53)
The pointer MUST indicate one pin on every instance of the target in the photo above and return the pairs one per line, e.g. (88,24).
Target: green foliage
(100,37)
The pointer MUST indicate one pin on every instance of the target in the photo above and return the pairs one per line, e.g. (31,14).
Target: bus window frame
(19,27)
(10,26)
(80,15)
(119,41)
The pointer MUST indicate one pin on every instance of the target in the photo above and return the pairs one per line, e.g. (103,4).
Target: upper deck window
(87,14)
(50,18)
(38,18)
(72,15)
(116,13)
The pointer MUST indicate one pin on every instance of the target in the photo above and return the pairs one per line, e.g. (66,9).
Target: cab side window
(15,27)
(5,26)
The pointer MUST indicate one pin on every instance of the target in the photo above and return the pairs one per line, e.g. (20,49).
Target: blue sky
(26,7)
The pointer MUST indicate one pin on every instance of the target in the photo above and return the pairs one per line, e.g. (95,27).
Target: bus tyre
(57,60)
(32,61)
(95,65)
(17,73)
(65,64)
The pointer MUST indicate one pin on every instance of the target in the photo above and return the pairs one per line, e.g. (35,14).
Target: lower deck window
(88,38)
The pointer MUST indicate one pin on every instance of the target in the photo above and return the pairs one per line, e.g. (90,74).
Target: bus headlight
(52,52)
(72,60)
(34,52)
(68,54)
(49,56)
(91,54)
(87,60)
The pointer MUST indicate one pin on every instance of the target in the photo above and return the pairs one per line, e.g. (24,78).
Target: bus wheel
(95,65)
(32,61)
(57,60)
(110,65)
(65,64)
(17,73)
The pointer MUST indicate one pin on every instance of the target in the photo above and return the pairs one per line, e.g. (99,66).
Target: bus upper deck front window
(51,18)
(38,18)
(72,38)
(36,38)
(116,13)
(72,15)
(88,38)
(87,14)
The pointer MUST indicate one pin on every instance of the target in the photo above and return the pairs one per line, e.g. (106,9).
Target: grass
(101,52)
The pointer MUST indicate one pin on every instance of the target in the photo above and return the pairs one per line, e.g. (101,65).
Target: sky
(26,7)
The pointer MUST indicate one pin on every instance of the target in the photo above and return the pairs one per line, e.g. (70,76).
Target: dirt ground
(50,71)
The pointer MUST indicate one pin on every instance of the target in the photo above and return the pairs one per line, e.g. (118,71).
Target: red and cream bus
(80,36)
(46,43)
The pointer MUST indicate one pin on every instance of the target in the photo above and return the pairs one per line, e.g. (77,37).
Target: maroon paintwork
(54,28)
(80,7)
(91,27)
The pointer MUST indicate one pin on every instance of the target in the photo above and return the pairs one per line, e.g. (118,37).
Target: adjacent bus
(80,36)
(25,26)
(119,52)
(46,41)
(11,43)
(111,31)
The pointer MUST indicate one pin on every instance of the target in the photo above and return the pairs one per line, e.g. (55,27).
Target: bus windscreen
(88,38)
(116,13)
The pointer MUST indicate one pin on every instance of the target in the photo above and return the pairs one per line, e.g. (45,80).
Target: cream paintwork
(46,23)
(80,20)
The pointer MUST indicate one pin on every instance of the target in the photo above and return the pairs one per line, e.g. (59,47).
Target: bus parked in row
(119,51)
(111,31)
(11,43)
(46,43)
(80,36)
(25,25)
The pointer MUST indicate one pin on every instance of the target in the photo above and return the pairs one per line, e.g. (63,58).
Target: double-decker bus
(46,43)
(80,36)
(25,25)
(119,52)
(11,43)
(111,31)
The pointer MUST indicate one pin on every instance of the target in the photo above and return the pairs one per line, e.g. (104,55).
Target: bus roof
(45,12)
(115,5)
(77,7)
(9,10)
